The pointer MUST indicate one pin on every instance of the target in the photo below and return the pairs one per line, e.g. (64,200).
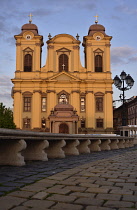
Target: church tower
(26,82)
(63,96)
(99,89)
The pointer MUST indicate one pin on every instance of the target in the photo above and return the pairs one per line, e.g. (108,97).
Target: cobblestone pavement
(96,181)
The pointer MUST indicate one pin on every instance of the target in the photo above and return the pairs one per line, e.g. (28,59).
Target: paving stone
(36,187)
(49,182)
(98,208)
(125,184)
(66,206)
(89,201)
(68,183)
(117,180)
(58,190)
(13,184)
(97,190)
(118,204)
(80,194)
(129,198)
(9,202)
(61,198)
(121,192)
(22,194)
(87,184)
(6,189)
(126,208)
(131,181)
(110,187)
(40,195)
(76,188)
(38,204)
(21,208)
(99,182)
(108,197)
(59,177)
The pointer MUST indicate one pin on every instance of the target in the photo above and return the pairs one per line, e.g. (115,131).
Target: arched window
(63,63)
(28,63)
(98,63)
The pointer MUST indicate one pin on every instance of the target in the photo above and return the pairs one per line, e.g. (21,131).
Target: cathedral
(63,96)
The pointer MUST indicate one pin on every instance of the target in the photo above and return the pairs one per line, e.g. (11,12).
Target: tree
(6,117)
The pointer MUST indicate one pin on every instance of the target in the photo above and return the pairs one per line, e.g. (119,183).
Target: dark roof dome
(63,107)
(96,28)
(30,27)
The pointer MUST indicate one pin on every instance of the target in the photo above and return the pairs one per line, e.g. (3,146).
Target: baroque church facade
(63,96)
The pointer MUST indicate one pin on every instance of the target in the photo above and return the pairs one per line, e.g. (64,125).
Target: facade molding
(51,91)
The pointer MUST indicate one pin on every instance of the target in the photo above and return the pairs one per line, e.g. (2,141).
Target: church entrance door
(63,128)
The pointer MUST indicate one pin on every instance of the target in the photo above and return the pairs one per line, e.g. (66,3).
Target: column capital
(18,44)
(89,91)
(76,47)
(75,91)
(51,91)
(16,91)
(50,47)
(107,45)
(108,92)
(36,91)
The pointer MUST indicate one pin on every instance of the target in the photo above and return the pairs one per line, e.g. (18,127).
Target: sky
(119,17)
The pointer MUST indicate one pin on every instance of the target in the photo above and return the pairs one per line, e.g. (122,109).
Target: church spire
(96,21)
(30,16)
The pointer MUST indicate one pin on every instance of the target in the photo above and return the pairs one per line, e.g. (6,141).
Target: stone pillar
(107,58)
(50,57)
(90,121)
(76,100)
(108,110)
(89,57)
(36,110)
(18,57)
(51,100)
(37,57)
(18,108)
(76,57)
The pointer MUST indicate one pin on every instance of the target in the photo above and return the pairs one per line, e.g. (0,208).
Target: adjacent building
(63,96)
(130,113)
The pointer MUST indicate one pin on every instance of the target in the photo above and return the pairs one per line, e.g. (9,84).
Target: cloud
(5,90)
(125,9)
(5,81)
(115,17)
(123,55)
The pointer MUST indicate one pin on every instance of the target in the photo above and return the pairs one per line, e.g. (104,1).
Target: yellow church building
(63,96)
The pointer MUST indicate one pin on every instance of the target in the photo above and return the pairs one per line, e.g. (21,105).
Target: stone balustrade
(17,146)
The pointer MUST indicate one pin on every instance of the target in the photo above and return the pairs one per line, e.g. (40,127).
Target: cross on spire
(63,66)
(30,17)
(96,21)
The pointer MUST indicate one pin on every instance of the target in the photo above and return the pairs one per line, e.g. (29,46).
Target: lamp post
(125,82)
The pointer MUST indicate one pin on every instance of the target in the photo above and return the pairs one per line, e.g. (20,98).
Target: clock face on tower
(28,36)
(98,38)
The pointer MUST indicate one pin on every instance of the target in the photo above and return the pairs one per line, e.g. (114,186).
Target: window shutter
(98,63)
(27,63)
(63,63)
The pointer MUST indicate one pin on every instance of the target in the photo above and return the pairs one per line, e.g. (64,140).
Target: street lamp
(125,82)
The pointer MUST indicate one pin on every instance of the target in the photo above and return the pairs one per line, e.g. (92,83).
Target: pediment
(63,76)
(63,50)
(98,50)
